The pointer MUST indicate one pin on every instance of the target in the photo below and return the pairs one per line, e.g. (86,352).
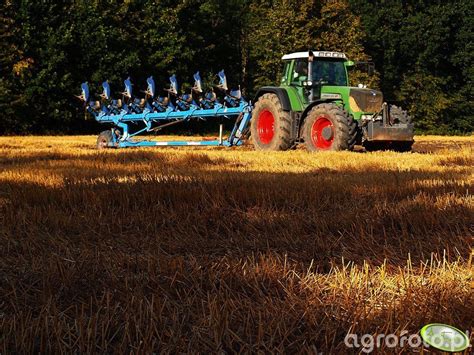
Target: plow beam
(153,121)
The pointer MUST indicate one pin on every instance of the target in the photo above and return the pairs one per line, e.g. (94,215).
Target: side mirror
(349,63)
(371,69)
(367,67)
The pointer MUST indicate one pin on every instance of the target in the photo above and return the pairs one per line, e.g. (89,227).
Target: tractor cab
(328,81)
(309,71)
(328,68)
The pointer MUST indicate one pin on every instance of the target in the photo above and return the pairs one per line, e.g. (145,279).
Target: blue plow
(131,116)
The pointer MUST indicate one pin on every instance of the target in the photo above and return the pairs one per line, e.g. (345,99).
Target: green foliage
(425,99)
(11,98)
(280,27)
(423,51)
(276,28)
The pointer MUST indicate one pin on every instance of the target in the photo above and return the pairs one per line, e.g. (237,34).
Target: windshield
(331,71)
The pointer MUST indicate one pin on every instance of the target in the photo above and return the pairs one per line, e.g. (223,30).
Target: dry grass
(229,249)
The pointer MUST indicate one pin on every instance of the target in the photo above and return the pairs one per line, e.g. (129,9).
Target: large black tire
(104,140)
(329,127)
(397,115)
(270,126)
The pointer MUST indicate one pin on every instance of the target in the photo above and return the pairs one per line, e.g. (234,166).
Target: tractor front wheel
(104,140)
(270,125)
(329,127)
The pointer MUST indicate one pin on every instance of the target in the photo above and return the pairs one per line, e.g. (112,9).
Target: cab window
(331,72)
(285,75)
(300,72)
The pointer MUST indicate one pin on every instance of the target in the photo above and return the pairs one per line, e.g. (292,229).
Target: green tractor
(315,105)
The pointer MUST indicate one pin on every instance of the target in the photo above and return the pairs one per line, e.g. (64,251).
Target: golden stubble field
(229,250)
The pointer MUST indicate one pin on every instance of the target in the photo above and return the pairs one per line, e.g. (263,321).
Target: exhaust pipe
(310,74)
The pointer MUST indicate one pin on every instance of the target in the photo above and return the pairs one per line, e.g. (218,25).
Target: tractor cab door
(300,72)
(299,75)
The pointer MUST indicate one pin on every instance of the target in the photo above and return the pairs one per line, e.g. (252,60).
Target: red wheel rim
(266,126)
(322,133)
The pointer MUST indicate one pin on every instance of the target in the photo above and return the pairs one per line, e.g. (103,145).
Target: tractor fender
(280,92)
(309,107)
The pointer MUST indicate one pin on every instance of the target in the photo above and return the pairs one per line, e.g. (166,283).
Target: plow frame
(242,114)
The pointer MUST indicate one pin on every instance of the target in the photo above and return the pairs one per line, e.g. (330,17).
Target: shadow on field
(143,201)
(144,251)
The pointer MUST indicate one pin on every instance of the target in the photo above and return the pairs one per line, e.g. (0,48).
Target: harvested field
(211,250)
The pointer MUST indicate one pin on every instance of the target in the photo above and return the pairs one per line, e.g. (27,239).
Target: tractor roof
(323,54)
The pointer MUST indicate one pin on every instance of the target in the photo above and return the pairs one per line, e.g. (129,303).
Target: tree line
(423,51)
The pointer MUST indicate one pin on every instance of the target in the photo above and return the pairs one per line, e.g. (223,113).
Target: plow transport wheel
(270,125)
(104,139)
(329,127)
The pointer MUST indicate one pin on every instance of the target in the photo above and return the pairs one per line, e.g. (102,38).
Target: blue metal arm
(232,106)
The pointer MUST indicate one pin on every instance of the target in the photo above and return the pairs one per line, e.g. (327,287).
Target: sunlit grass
(215,249)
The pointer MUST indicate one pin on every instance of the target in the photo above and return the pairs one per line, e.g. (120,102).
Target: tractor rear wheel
(104,140)
(270,126)
(329,127)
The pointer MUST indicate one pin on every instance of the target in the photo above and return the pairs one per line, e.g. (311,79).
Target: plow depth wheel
(329,127)
(270,125)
